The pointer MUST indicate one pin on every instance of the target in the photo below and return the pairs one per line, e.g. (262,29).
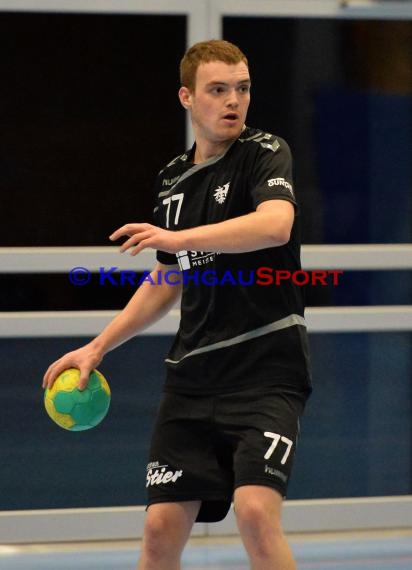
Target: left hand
(145,235)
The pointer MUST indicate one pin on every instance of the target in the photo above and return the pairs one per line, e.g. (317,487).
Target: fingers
(84,359)
(84,378)
(137,243)
(118,234)
(142,236)
(132,241)
(57,368)
(129,230)
(139,236)
(51,374)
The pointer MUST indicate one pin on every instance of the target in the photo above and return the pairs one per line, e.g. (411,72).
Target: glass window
(89,114)
(344,105)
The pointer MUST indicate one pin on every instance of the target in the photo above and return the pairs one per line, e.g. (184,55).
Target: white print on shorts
(276,439)
(276,473)
(158,474)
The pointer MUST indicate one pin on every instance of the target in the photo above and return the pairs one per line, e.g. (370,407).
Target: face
(219,102)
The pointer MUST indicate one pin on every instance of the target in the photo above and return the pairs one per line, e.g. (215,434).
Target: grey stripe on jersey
(191,171)
(288,321)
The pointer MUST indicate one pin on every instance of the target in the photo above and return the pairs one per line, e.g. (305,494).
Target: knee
(155,536)
(260,529)
(258,513)
(255,516)
(165,533)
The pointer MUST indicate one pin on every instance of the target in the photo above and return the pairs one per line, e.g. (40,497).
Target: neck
(206,149)
(205,152)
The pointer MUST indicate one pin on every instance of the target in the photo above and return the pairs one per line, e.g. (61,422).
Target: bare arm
(148,304)
(269,226)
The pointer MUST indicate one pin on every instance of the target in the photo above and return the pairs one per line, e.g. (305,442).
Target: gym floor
(390,550)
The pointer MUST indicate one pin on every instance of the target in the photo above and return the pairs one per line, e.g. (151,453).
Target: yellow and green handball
(74,409)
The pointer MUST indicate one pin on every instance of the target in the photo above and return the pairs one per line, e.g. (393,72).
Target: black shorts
(204,447)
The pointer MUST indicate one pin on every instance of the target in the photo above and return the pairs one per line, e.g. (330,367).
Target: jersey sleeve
(272,175)
(166,258)
(161,256)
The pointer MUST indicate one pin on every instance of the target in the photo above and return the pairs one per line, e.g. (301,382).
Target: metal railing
(89,323)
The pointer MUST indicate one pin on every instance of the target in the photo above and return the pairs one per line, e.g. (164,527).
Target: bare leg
(167,529)
(258,513)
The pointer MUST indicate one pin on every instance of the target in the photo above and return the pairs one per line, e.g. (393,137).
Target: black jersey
(238,329)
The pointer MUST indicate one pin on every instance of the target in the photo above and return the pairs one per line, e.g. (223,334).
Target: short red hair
(203,52)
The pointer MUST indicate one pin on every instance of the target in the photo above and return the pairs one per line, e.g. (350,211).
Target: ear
(185,97)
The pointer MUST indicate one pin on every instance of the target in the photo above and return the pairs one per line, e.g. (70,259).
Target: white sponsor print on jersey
(221,193)
(160,474)
(188,259)
(183,259)
(170,181)
(281,182)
